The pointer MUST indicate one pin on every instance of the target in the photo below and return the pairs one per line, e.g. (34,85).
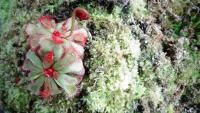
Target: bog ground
(141,57)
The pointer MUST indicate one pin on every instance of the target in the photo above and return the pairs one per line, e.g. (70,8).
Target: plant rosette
(54,61)
(46,33)
(48,75)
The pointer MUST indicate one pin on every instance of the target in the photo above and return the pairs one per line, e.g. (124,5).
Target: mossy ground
(141,57)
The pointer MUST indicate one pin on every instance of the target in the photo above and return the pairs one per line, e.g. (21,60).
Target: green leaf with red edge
(36,32)
(29,66)
(35,60)
(69,57)
(58,52)
(43,31)
(46,44)
(37,29)
(68,83)
(36,86)
(76,68)
(34,75)
(53,88)
(47,22)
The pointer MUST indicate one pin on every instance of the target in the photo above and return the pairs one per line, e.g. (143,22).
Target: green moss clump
(138,9)
(6,7)
(17,99)
(113,66)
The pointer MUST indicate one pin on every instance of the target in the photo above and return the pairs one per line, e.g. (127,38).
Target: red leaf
(48,57)
(45,93)
(81,13)
(51,72)
(48,72)
(55,75)
(56,37)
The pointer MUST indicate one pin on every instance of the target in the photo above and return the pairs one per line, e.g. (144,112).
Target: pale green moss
(170,109)
(138,9)
(17,99)
(6,7)
(113,67)
(58,104)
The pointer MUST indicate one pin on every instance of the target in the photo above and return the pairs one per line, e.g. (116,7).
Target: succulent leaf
(46,44)
(68,83)
(74,68)
(36,86)
(34,75)
(79,49)
(34,59)
(58,52)
(53,88)
(29,66)
(47,22)
(36,29)
(69,57)
(56,37)
(45,94)
(30,29)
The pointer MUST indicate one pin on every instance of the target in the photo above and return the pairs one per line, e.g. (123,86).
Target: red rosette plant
(54,61)
(48,74)
(46,30)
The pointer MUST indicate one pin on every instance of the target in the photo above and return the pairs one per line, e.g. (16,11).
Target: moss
(139,10)
(197,99)
(16,99)
(57,104)
(113,66)
(170,109)
(6,8)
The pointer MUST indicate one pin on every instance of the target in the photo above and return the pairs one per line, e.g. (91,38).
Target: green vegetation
(140,57)
(113,89)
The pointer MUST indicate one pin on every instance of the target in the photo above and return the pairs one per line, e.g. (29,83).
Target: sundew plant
(54,60)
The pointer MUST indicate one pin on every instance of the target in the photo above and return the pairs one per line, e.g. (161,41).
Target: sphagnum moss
(114,68)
